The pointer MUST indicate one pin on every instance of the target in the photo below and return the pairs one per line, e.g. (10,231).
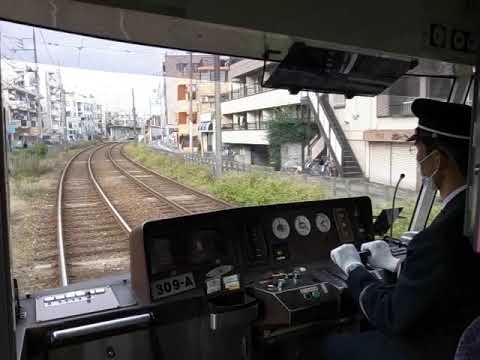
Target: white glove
(346,257)
(380,255)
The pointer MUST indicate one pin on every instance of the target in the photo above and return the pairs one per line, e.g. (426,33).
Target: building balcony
(263,100)
(249,133)
(262,125)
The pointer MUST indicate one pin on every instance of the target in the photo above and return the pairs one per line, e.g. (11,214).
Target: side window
(182,118)
(338,101)
(182,92)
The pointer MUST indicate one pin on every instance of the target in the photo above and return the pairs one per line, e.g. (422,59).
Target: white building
(21,104)
(55,106)
(247,108)
(364,136)
(84,117)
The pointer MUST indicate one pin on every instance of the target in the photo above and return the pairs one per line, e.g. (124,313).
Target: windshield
(103,136)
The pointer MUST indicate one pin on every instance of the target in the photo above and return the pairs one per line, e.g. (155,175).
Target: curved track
(102,195)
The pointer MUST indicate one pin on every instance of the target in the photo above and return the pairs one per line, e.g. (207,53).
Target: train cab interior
(244,282)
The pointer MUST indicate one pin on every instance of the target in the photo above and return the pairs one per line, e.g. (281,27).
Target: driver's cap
(438,119)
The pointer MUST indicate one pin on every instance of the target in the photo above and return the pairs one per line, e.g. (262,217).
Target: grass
(27,166)
(242,189)
(402,223)
(253,188)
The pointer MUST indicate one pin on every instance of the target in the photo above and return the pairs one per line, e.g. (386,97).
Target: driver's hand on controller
(380,255)
(346,257)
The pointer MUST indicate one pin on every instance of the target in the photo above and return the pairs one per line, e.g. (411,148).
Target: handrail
(324,129)
(331,117)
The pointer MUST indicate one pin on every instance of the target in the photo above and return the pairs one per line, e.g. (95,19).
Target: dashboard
(171,256)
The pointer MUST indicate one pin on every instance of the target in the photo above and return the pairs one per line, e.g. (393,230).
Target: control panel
(277,254)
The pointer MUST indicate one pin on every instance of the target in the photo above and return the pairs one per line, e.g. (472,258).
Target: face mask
(427,181)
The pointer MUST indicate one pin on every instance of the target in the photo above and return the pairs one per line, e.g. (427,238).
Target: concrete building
(362,137)
(84,117)
(177,85)
(21,105)
(377,129)
(55,106)
(246,109)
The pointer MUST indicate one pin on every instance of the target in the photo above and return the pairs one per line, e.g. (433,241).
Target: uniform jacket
(437,294)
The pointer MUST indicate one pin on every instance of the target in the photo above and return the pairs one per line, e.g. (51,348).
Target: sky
(106,69)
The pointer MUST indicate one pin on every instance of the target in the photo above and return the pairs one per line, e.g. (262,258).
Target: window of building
(194,92)
(395,103)
(182,118)
(23,123)
(194,118)
(33,123)
(182,92)
(181,67)
(338,101)
(205,75)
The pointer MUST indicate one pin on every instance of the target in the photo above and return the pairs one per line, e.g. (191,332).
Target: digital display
(160,254)
(205,246)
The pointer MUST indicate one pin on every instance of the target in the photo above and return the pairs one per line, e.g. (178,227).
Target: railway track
(102,196)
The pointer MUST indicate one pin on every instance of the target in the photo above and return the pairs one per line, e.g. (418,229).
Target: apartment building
(377,128)
(201,102)
(55,106)
(363,137)
(84,117)
(21,105)
(246,109)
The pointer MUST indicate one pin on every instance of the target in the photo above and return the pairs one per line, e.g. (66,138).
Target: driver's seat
(469,344)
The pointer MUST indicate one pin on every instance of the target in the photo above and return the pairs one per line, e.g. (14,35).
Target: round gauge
(323,222)
(302,225)
(280,228)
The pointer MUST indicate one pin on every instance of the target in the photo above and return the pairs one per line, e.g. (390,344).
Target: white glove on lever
(381,256)
(346,257)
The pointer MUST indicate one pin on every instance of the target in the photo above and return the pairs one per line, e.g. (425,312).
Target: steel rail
(145,186)
(109,204)
(153,172)
(60,244)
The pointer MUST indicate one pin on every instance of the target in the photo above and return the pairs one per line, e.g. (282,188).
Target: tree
(287,126)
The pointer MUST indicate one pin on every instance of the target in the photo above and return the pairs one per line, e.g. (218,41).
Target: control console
(277,254)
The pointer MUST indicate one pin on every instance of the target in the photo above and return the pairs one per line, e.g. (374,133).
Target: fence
(336,187)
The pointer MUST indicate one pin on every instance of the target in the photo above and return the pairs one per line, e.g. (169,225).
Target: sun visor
(334,71)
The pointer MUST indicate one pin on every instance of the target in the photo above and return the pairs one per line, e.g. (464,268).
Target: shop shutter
(383,108)
(404,161)
(380,163)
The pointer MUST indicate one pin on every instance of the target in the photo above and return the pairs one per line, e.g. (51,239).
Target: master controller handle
(364,255)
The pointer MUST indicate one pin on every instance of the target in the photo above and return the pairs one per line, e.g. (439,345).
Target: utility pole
(134,115)
(190,106)
(63,119)
(218,120)
(165,122)
(37,84)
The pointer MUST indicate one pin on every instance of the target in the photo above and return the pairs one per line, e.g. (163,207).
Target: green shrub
(249,188)
(39,150)
(262,189)
(27,187)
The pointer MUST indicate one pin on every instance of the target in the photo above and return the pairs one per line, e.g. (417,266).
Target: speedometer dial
(280,228)
(302,225)
(323,222)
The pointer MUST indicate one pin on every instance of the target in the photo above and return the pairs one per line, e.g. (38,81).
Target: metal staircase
(336,141)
